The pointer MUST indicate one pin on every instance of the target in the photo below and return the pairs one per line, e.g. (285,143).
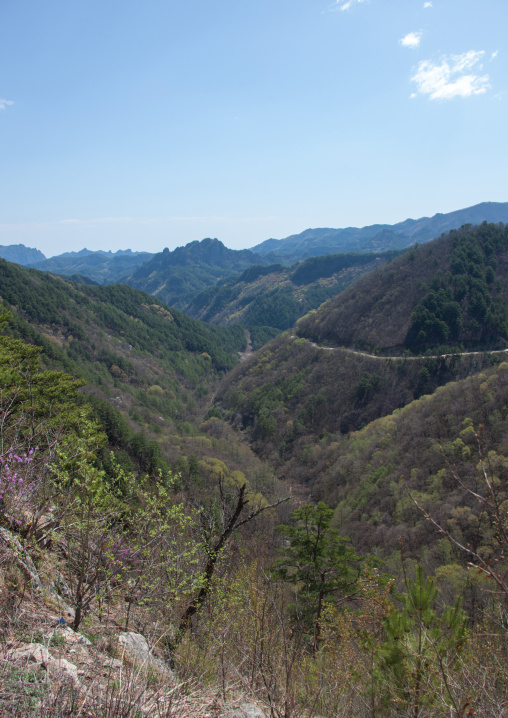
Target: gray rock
(134,647)
(69,636)
(30,652)
(60,665)
(245,711)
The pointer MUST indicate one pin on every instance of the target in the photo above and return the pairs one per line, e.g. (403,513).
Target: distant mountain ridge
(378,237)
(84,252)
(100,266)
(19,254)
(178,276)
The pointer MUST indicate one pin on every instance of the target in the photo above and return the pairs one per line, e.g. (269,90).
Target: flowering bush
(17,487)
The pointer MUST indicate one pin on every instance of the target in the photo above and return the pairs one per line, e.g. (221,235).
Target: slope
(20,254)
(293,393)
(150,370)
(273,297)
(450,291)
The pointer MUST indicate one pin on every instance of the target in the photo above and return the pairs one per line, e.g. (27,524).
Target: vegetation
(465,305)
(92,267)
(274,296)
(449,291)
(136,503)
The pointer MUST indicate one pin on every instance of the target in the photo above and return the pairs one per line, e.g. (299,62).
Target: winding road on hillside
(400,356)
(249,351)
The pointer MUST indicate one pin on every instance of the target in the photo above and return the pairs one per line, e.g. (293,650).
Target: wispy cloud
(5,103)
(427,4)
(343,5)
(454,76)
(494,55)
(412,39)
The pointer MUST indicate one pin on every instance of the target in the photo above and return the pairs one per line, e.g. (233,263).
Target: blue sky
(155,123)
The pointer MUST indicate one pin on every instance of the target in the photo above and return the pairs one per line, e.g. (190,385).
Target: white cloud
(494,55)
(343,5)
(5,103)
(412,39)
(453,77)
(427,4)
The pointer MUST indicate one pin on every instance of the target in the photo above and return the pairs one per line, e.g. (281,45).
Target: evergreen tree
(322,565)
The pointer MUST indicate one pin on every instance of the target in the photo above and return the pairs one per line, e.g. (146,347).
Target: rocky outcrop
(39,655)
(135,649)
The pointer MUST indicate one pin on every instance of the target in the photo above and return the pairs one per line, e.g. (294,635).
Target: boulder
(30,652)
(63,667)
(68,635)
(135,649)
(246,710)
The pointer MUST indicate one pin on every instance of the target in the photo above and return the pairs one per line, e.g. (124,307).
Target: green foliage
(321,564)
(446,292)
(325,266)
(271,298)
(38,406)
(463,305)
(421,649)
(261,336)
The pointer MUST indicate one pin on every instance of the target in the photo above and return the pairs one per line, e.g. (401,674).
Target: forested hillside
(451,291)
(267,299)
(319,529)
(149,370)
(300,404)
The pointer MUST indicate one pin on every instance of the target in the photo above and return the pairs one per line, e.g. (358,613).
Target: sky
(151,124)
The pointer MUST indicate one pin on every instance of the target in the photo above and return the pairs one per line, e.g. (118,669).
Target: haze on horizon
(156,124)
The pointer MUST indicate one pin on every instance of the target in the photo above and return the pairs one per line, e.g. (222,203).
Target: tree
(233,514)
(490,494)
(322,565)
(422,651)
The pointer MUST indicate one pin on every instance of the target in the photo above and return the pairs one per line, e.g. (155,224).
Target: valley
(329,442)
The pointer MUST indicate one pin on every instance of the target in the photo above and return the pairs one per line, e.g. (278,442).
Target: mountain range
(377,422)
(378,237)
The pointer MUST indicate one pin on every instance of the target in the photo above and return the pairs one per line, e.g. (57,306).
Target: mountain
(176,277)
(20,254)
(378,237)
(101,267)
(383,342)
(303,618)
(451,291)
(149,370)
(268,299)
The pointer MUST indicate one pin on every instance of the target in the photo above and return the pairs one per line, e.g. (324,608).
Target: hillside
(101,267)
(171,543)
(378,237)
(451,291)
(273,297)
(149,370)
(339,370)
(425,446)
(177,277)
